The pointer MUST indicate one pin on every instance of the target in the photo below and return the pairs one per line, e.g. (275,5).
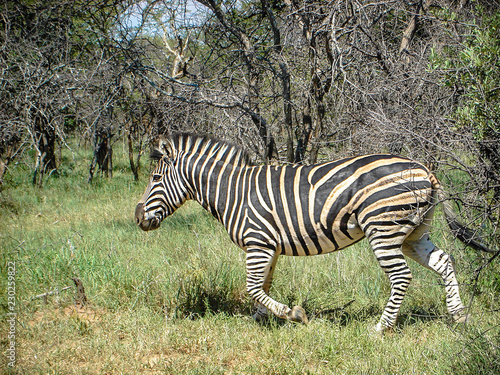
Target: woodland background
(86,85)
(293,81)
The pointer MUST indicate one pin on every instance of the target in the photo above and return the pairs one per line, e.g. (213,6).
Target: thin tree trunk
(45,138)
(103,154)
(3,168)
(133,166)
(303,139)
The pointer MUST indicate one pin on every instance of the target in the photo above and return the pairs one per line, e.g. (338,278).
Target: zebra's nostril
(139,212)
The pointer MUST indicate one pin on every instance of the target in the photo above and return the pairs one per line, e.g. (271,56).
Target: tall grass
(174,301)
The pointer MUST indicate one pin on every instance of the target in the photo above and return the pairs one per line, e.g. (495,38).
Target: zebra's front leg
(260,265)
(262,312)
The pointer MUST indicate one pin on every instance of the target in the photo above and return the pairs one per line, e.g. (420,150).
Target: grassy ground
(173,301)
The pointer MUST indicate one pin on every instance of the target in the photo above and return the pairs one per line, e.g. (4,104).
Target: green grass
(173,300)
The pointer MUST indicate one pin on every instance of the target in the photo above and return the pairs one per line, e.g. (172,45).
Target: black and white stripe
(303,210)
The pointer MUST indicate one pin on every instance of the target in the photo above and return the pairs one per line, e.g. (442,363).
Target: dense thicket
(295,81)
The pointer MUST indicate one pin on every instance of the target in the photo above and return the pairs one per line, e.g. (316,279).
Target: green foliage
(476,70)
(478,355)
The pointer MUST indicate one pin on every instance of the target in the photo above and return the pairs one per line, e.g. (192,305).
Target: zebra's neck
(213,182)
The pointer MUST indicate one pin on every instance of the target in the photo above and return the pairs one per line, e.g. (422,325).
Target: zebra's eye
(156,177)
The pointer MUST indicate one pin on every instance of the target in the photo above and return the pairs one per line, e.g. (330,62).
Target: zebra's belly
(319,241)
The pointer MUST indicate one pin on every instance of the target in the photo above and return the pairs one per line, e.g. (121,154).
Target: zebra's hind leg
(387,249)
(420,248)
(260,265)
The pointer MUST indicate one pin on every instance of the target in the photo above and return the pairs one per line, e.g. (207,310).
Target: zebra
(304,210)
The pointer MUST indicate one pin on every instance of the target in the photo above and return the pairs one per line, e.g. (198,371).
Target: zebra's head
(165,191)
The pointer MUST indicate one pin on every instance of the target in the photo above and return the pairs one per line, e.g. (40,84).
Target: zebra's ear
(166,148)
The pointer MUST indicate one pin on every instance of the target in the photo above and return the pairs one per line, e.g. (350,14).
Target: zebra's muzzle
(146,222)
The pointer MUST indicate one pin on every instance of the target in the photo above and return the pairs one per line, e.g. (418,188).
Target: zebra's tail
(459,230)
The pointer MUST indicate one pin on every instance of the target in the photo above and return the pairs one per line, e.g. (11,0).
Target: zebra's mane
(211,146)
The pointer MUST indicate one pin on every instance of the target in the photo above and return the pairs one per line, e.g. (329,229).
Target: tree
(45,50)
(474,71)
(10,146)
(35,51)
(470,69)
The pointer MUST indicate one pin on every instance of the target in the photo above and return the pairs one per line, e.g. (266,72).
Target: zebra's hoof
(297,314)
(381,329)
(462,318)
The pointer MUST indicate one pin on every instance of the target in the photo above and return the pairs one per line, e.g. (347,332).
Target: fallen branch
(45,295)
